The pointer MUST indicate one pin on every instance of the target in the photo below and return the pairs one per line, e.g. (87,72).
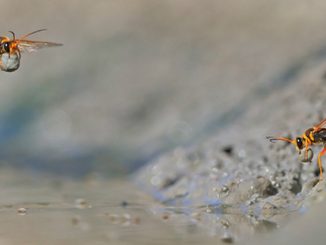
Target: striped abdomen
(320,136)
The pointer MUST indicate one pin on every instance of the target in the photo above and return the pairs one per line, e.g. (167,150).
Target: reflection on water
(44,210)
(47,210)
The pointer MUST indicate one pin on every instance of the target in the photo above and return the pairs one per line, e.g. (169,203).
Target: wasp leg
(319,163)
(306,149)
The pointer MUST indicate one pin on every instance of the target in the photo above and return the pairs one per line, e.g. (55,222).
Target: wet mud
(237,182)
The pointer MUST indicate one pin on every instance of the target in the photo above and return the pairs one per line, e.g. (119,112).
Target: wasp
(11,49)
(312,136)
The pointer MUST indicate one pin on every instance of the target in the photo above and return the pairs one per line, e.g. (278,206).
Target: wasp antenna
(31,33)
(273,139)
(13,35)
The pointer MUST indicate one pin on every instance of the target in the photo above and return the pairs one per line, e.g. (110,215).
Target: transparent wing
(29,34)
(320,125)
(32,46)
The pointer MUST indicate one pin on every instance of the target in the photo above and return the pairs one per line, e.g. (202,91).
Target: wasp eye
(299,143)
(6,47)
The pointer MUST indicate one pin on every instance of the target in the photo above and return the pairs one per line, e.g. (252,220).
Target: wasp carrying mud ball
(11,49)
(312,136)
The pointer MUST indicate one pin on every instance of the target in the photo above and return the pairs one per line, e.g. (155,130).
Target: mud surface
(237,182)
(46,210)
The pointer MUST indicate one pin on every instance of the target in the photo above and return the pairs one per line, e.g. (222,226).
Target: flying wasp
(11,49)
(312,136)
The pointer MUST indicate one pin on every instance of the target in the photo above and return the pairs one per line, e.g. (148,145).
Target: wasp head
(298,142)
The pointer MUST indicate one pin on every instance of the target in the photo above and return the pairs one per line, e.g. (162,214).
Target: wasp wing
(31,33)
(320,125)
(32,46)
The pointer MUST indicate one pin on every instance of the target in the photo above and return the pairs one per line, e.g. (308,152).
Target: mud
(238,177)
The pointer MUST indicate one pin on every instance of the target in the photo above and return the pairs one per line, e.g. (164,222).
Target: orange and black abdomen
(320,136)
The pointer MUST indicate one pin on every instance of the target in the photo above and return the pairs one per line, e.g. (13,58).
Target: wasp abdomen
(320,136)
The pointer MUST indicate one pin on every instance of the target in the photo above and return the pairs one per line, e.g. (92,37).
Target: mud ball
(306,157)
(10,62)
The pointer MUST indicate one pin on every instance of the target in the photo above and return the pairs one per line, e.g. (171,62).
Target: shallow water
(38,209)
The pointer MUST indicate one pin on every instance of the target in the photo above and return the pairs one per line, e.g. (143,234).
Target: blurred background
(135,79)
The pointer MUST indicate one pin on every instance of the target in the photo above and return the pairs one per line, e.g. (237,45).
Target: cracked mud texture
(239,177)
